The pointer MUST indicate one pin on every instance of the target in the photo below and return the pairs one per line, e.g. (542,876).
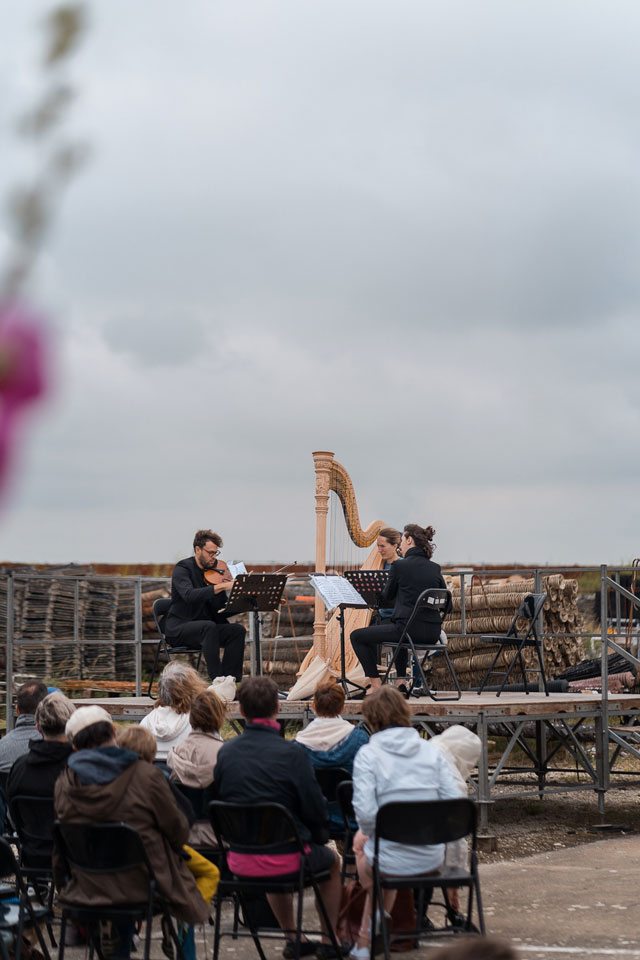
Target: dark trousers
(365,643)
(210,637)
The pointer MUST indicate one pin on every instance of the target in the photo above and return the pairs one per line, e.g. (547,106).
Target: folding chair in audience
(160,610)
(328,780)
(15,918)
(263,828)
(427,822)
(529,610)
(33,818)
(99,849)
(344,794)
(433,599)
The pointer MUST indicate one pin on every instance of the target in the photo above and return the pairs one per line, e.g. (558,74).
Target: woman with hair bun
(408,577)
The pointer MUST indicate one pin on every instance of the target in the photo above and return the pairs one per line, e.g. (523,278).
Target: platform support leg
(541,756)
(486,839)
(602,763)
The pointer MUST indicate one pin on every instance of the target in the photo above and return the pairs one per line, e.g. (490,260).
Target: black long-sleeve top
(192,598)
(408,577)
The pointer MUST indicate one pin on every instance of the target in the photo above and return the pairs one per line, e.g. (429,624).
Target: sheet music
(335,590)
(236,568)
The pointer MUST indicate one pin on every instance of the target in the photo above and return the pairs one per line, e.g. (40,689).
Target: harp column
(323,463)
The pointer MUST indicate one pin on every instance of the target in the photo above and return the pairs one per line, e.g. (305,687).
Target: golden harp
(331,475)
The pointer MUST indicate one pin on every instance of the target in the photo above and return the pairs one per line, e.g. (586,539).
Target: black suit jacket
(192,598)
(408,577)
(260,766)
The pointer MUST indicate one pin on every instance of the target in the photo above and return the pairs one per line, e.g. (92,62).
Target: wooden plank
(469,707)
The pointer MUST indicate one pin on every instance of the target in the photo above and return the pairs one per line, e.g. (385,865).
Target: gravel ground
(527,826)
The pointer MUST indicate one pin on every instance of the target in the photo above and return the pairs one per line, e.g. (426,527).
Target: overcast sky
(407,232)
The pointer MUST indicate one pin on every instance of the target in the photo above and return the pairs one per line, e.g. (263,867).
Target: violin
(218,573)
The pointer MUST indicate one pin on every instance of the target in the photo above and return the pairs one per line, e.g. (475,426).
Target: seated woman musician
(408,577)
(388,542)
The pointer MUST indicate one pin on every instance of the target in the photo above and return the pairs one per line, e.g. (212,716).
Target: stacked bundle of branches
(151,592)
(490,609)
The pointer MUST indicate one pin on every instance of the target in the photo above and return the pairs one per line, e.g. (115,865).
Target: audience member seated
(260,766)
(35,773)
(16,743)
(330,740)
(207,875)
(192,762)
(169,723)
(396,765)
(461,749)
(104,783)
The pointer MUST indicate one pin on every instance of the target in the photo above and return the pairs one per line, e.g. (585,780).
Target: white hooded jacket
(398,765)
(168,727)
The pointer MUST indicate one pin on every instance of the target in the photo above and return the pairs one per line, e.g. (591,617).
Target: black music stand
(253,593)
(369,584)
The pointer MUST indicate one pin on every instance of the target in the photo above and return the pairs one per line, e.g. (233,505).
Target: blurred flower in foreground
(22,376)
(23,361)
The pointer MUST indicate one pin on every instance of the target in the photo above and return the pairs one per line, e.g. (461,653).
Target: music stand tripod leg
(255,616)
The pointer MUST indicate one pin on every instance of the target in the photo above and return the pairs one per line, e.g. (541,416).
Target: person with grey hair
(178,684)
(34,774)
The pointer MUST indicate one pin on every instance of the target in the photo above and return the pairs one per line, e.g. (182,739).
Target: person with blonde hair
(178,684)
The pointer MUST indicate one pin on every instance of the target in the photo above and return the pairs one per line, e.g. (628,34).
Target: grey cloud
(162,337)
(404,232)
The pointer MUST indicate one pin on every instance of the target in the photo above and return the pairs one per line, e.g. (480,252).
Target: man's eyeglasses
(210,553)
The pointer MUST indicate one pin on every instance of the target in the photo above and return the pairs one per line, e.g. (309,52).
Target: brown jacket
(141,797)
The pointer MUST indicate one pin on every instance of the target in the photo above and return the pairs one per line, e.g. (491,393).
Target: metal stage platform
(527,732)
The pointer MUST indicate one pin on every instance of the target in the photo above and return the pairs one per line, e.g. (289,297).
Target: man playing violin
(194,619)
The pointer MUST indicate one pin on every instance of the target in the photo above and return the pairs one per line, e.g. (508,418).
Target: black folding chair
(99,849)
(424,823)
(160,610)
(263,828)
(200,798)
(328,780)
(344,794)
(16,917)
(432,599)
(33,819)
(529,610)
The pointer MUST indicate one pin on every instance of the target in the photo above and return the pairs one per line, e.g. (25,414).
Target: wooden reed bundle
(489,609)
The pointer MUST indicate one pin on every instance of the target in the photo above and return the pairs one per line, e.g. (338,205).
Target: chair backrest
(198,797)
(33,819)
(344,796)
(101,847)
(426,821)
(160,610)
(253,827)
(529,610)
(435,598)
(329,778)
